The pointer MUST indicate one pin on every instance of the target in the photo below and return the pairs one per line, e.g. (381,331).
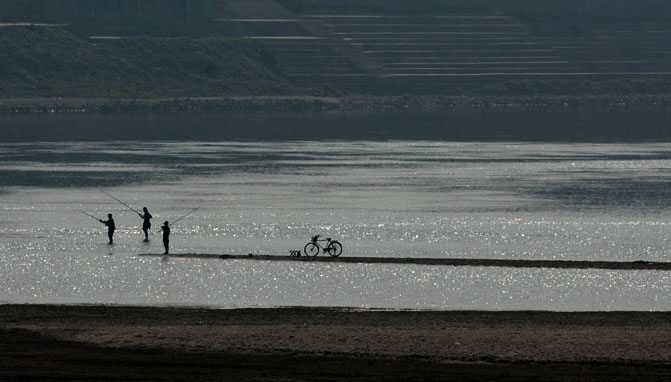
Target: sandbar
(454,262)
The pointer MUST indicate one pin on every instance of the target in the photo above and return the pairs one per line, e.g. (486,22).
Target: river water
(399,185)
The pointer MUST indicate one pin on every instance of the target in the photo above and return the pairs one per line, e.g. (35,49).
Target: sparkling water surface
(398,198)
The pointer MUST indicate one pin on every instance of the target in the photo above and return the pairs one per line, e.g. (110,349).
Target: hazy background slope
(171,48)
(53,61)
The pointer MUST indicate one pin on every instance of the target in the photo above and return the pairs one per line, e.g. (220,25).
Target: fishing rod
(122,203)
(88,214)
(189,213)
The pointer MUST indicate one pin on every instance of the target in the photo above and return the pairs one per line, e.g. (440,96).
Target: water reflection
(380,197)
(437,176)
(170,282)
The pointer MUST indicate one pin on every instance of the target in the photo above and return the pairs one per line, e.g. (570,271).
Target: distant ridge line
(559,264)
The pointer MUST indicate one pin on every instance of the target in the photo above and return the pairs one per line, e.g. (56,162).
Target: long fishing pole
(88,214)
(122,203)
(189,213)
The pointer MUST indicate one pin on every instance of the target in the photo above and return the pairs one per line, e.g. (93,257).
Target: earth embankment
(217,48)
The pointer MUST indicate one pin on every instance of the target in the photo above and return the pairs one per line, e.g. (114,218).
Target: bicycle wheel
(311,249)
(334,249)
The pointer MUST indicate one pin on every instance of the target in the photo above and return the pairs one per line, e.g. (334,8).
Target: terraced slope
(493,45)
(600,47)
(392,51)
(398,47)
(305,52)
(454,45)
(311,57)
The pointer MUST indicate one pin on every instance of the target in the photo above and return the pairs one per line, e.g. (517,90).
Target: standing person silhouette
(166,237)
(110,228)
(146,225)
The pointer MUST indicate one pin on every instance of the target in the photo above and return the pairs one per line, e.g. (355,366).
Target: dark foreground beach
(47,343)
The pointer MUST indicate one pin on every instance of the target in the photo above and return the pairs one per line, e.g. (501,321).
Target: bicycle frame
(316,240)
(322,240)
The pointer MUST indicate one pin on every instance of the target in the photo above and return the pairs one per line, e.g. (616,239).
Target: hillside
(46,62)
(219,48)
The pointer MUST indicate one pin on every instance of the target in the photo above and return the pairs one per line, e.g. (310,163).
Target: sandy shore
(318,344)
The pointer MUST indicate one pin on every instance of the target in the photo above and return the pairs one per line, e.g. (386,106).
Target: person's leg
(146,234)
(111,237)
(166,244)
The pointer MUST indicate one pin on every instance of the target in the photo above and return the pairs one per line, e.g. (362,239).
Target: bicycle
(333,247)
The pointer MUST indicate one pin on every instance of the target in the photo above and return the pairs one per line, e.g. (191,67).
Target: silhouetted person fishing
(166,237)
(110,227)
(166,230)
(146,225)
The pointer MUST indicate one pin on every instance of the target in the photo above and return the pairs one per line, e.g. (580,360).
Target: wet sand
(561,264)
(45,343)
